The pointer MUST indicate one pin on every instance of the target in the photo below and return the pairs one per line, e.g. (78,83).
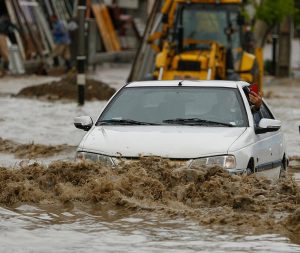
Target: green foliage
(274,11)
(297,13)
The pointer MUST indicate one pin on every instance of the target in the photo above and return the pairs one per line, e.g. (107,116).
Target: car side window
(263,113)
(266,114)
(257,116)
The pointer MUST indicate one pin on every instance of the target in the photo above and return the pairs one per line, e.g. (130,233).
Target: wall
(295,59)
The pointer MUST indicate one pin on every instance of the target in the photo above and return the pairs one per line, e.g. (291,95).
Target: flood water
(44,226)
(36,229)
(285,104)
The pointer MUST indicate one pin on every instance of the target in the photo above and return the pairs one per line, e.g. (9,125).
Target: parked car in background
(203,123)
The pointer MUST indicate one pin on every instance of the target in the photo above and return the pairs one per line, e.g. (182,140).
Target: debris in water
(67,89)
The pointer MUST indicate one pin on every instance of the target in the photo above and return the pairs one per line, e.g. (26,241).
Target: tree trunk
(261,30)
(285,45)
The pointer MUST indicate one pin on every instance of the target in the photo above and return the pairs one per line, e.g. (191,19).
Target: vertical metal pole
(81,55)
(274,54)
(92,40)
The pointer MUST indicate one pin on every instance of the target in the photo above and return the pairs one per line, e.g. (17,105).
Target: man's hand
(255,99)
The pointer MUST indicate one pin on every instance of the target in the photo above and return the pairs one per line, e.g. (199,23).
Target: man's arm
(255,99)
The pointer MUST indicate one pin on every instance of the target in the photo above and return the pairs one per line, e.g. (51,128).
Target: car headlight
(84,156)
(226,161)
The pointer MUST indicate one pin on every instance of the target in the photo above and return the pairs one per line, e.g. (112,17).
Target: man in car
(227,109)
(255,101)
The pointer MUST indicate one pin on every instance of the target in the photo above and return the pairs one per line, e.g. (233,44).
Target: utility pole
(81,53)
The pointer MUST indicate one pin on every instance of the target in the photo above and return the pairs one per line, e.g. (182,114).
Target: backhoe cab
(205,40)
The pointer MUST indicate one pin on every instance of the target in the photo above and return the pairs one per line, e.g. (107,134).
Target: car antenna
(180,83)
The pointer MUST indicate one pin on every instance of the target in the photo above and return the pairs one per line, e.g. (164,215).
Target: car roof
(189,83)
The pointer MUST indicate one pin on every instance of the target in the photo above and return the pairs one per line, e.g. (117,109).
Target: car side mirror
(83,122)
(268,125)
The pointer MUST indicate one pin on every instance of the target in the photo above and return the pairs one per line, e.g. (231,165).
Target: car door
(268,147)
(276,139)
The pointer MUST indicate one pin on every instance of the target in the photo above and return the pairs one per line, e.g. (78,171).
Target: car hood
(164,141)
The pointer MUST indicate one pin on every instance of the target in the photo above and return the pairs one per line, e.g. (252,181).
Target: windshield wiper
(122,122)
(195,121)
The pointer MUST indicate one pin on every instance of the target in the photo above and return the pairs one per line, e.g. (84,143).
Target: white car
(199,122)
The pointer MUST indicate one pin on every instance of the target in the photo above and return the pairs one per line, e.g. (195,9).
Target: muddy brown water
(32,150)
(146,206)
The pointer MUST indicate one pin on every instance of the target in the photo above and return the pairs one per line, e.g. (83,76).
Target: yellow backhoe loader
(198,39)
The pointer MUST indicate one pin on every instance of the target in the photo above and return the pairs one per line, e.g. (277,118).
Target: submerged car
(203,123)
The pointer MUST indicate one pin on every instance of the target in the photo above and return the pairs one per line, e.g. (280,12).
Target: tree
(270,13)
(297,14)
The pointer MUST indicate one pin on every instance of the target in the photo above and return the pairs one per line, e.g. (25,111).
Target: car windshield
(205,106)
(210,25)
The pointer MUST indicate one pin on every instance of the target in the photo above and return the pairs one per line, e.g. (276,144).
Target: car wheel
(250,168)
(248,171)
(283,169)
